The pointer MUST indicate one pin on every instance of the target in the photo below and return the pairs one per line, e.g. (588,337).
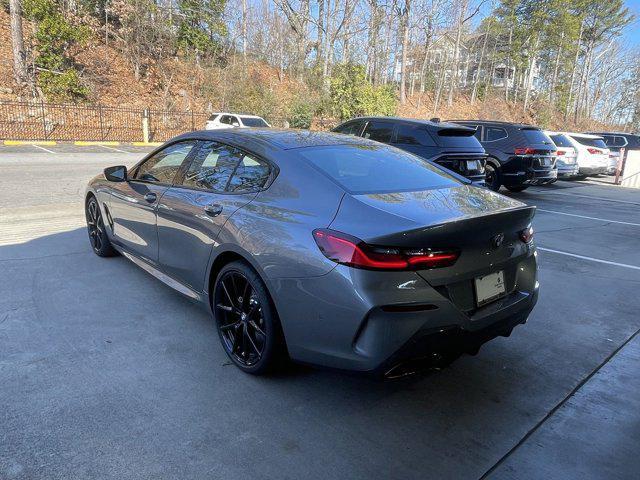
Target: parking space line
(45,149)
(604,199)
(590,218)
(591,259)
(111,148)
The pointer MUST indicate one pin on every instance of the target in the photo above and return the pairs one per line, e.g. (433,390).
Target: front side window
(212,167)
(378,131)
(414,135)
(250,176)
(226,119)
(367,169)
(164,165)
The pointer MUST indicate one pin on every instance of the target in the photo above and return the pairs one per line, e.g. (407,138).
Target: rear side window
(494,133)
(413,135)
(253,122)
(591,142)
(212,167)
(164,165)
(349,128)
(361,169)
(536,136)
(378,131)
(561,140)
(250,176)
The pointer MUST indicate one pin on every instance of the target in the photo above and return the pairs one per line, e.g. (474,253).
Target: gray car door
(133,204)
(220,180)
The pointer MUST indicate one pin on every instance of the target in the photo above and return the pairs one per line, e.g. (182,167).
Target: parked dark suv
(519,155)
(443,144)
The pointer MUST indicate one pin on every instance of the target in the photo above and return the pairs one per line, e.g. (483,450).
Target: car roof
(285,139)
(238,114)
(582,135)
(496,122)
(413,121)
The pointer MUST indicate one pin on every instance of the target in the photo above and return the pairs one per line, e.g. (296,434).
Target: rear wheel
(246,319)
(492,177)
(100,242)
(516,188)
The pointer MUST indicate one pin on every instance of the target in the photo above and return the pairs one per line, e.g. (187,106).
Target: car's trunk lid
(483,226)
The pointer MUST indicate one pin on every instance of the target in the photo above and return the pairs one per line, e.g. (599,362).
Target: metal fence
(50,121)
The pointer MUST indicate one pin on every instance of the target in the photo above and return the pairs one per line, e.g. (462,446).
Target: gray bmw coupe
(323,248)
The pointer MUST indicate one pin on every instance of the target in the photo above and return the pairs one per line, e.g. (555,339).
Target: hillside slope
(181,85)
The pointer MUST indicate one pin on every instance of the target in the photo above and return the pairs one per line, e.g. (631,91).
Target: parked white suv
(593,154)
(233,120)
(567,155)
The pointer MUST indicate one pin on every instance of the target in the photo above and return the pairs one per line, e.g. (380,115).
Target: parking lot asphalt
(107,373)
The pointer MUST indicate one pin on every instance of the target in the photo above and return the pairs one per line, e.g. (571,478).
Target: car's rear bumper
(567,171)
(368,321)
(593,170)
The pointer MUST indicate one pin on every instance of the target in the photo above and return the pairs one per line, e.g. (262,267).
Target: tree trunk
(244,29)
(405,46)
(17,42)
(476,81)
(574,70)
(456,53)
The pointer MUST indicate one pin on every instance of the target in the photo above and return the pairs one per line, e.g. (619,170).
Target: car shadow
(104,339)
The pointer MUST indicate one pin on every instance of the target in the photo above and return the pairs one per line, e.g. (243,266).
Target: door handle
(150,197)
(213,210)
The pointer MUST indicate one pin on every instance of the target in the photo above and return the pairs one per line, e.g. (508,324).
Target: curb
(82,143)
(146,144)
(29,142)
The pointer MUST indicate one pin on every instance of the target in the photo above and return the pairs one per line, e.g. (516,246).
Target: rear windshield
(561,140)
(591,142)
(376,169)
(457,137)
(253,122)
(213,117)
(533,135)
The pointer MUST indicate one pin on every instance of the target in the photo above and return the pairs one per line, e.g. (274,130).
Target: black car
(444,144)
(617,140)
(519,155)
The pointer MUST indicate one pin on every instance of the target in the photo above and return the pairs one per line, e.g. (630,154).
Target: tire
(247,320)
(516,188)
(492,180)
(98,238)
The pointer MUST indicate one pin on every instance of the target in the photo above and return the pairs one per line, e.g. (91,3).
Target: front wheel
(516,188)
(98,238)
(247,322)
(492,177)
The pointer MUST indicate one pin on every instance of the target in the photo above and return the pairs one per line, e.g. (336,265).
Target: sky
(632,34)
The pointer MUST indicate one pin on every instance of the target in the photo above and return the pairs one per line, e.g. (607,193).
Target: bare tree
(17,42)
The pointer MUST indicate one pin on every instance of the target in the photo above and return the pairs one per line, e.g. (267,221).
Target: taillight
(594,151)
(560,152)
(348,250)
(526,235)
(525,151)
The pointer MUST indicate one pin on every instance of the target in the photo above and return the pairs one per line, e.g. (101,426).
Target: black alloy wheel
(492,178)
(97,234)
(246,319)
(517,188)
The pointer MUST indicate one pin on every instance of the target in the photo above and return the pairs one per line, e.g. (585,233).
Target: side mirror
(116,174)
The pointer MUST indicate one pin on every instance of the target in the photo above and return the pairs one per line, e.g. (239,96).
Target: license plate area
(489,287)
